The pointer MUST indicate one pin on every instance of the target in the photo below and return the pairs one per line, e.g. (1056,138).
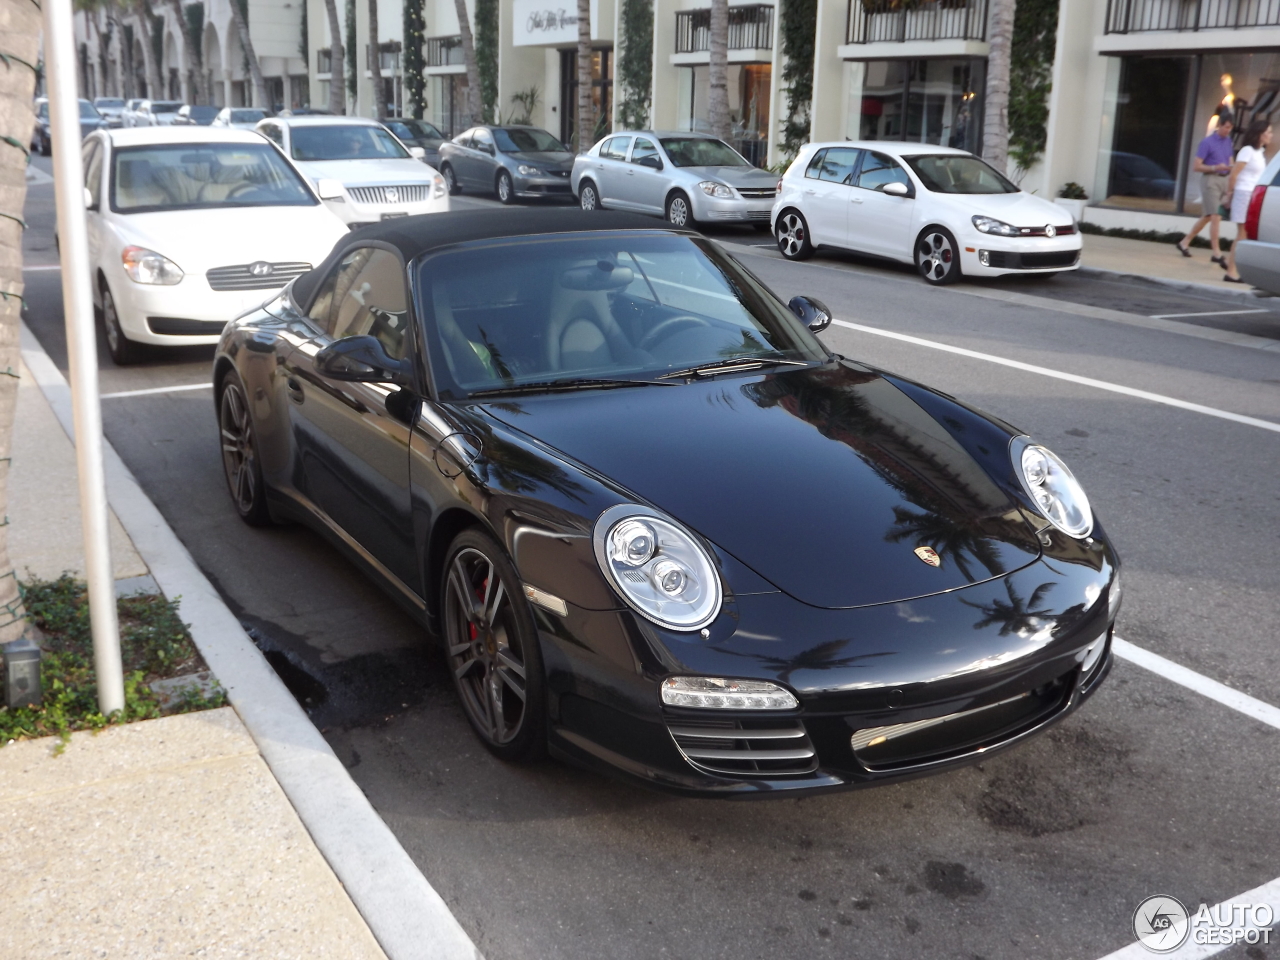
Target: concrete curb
(1191,286)
(405,914)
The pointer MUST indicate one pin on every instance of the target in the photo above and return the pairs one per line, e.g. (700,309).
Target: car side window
(463,139)
(815,165)
(93,173)
(606,149)
(643,148)
(369,299)
(272,131)
(878,170)
(837,165)
(617,148)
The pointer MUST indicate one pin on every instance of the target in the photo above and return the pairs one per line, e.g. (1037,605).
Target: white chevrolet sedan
(189,227)
(362,171)
(943,210)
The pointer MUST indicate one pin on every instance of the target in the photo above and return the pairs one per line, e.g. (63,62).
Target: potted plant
(1073,197)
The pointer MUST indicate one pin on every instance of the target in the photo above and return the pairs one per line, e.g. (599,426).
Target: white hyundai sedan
(189,227)
(363,172)
(943,210)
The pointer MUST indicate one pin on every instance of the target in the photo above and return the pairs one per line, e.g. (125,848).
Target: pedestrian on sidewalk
(1245,174)
(1213,163)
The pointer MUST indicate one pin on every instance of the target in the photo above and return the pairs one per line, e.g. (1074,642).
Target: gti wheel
(492,646)
(588,198)
(938,256)
(123,350)
(793,236)
(450,180)
(240,462)
(679,213)
(506,192)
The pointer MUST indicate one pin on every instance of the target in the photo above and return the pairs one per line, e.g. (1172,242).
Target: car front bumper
(987,255)
(542,186)
(187,313)
(712,210)
(356,214)
(1259,264)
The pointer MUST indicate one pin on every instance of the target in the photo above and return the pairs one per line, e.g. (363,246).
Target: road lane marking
(42,266)
(1176,673)
(1206,313)
(150,390)
(1069,377)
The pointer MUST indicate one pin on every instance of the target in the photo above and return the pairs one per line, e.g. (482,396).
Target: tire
(588,196)
(793,236)
(124,351)
(680,211)
(240,464)
(504,188)
(937,256)
(491,643)
(450,180)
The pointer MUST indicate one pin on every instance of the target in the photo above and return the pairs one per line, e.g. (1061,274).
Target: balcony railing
(880,21)
(1139,16)
(388,56)
(444,51)
(750,28)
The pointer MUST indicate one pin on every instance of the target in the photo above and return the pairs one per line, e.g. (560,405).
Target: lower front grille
(762,215)
(1031,261)
(260,275)
(182,327)
(756,748)
(767,193)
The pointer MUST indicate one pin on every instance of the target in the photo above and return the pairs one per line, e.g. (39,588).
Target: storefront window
(749,87)
(601,94)
(923,101)
(447,102)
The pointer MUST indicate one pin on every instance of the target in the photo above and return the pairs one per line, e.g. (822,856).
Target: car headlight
(718,190)
(718,693)
(657,567)
(147,266)
(528,171)
(437,187)
(1052,487)
(998,227)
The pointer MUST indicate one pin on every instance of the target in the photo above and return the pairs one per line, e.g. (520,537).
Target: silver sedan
(684,177)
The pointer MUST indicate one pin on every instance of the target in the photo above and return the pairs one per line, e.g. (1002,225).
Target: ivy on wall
(1035,36)
(349,50)
(415,81)
(635,72)
(487,57)
(304,39)
(798,21)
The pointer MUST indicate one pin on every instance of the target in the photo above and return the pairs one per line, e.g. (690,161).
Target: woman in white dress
(1245,174)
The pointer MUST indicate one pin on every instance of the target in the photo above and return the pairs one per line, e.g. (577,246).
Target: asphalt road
(1041,852)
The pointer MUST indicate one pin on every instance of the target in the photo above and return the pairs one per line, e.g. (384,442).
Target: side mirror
(417,153)
(814,314)
(486,148)
(329,189)
(361,360)
(652,162)
(895,189)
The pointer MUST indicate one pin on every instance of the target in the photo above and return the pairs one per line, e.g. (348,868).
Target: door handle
(811,192)
(294,386)
(855,200)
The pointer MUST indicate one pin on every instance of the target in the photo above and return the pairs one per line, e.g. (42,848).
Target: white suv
(363,172)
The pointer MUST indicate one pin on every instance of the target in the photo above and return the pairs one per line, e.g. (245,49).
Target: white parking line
(1206,313)
(38,267)
(150,390)
(1069,377)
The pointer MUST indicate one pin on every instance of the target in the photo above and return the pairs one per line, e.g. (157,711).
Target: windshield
(701,152)
(196,175)
(248,116)
(528,141)
(202,114)
(108,103)
(414,130)
(620,305)
(165,106)
(958,174)
(331,142)
(88,110)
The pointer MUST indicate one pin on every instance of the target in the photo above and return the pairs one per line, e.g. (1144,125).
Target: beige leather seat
(582,333)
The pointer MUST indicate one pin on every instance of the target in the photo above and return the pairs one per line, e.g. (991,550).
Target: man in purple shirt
(1213,163)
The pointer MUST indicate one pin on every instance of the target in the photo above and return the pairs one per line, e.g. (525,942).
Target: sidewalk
(164,838)
(1158,261)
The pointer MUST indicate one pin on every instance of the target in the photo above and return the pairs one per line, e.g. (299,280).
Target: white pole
(82,350)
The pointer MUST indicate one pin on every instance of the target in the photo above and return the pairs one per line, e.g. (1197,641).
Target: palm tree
(995,125)
(473,65)
(586,123)
(246,42)
(146,21)
(337,100)
(17,88)
(718,94)
(375,67)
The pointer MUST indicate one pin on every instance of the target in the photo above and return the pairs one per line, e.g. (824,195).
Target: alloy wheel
(678,211)
(504,188)
(239,459)
(936,257)
(792,236)
(484,647)
(123,350)
(450,180)
(587,197)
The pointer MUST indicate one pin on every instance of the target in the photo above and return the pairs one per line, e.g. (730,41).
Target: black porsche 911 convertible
(660,528)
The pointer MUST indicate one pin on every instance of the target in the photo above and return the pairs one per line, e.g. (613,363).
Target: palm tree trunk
(995,124)
(337,99)
(474,107)
(155,82)
(255,69)
(586,122)
(20,26)
(718,94)
(375,66)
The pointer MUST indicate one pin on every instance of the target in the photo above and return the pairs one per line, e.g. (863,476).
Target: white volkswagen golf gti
(943,210)
(363,172)
(189,227)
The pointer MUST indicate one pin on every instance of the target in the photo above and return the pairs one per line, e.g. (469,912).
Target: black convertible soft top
(414,236)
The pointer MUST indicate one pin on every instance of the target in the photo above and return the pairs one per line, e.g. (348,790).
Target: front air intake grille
(392,194)
(182,327)
(260,275)
(755,748)
(758,193)
(1056,258)
(761,215)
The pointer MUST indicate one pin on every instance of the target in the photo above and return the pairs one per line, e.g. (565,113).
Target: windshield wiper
(732,363)
(578,383)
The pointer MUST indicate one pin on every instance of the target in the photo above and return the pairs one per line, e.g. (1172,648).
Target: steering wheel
(663,329)
(244,188)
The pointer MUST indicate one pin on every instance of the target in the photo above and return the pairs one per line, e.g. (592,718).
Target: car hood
(551,160)
(1019,209)
(197,240)
(824,481)
(734,176)
(367,172)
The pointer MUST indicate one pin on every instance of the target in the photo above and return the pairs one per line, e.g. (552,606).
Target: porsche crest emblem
(929,556)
